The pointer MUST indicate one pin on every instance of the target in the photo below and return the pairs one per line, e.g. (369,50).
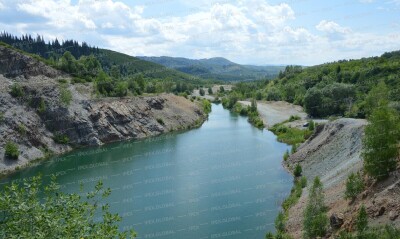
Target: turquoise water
(222,180)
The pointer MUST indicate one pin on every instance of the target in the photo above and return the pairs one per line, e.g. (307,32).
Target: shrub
(210,91)
(61,139)
(221,89)
(50,213)
(311,125)
(294,118)
(298,170)
(206,106)
(65,95)
(201,92)
(294,149)
(354,186)
(280,222)
(42,106)
(160,121)
(303,182)
(11,150)
(17,90)
(286,155)
(21,129)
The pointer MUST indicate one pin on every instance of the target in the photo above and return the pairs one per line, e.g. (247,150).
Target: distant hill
(217,68)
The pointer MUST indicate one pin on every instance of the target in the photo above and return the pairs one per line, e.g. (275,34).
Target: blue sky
(260,32)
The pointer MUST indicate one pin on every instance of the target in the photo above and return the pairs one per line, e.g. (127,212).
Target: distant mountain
(217,68)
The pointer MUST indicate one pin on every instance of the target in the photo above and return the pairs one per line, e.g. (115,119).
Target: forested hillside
(217,68)
(125,64)
(338,88)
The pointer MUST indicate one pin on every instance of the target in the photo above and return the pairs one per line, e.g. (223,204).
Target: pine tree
(315,218)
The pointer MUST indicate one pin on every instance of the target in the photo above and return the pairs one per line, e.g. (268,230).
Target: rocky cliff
(332,153)
(51,112)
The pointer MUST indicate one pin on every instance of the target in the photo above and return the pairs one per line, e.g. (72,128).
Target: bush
(210,91)
(311,125)
(303,182)
(201,92)
(221,89)
(11,150)
(280,222)
(42,106)
(21,129)
(354,186)
(160,121)
(61,139)
(35,210)
(362,221)
(298,170)
(206,106)
(65,95)
(286,155)
(294,149)
(17,90)
(294,118)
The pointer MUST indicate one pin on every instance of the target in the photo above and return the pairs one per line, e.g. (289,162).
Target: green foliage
(290,135)
(61,139)
(294,196)
(286,155)
(210,91)
(383,232)
(42,106)
(298,170)
(27,212)
(380,151)
(269,235)
(65,95)
(315,218)
(303,182)
(221,89)
(311,125)
(293,149)
(160,121)
(294,118)
(121,89)
(17,90)
(254,118)
(253,105)
(362,221)
(21,129)
(201,92)
(280,222)
(11,150)
(354,186)
(206,106)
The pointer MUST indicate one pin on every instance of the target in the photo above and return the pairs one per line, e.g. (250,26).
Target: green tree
(11,150)
(201,92)
(17,90)
(104,84)
(121,89)
(298,170)
(253,105)
(68,63)
(221,89)
(269,235)
(115,72)
(362,221)
(380,149)
(33,210)
(315,218)
(210,91)
(354,186)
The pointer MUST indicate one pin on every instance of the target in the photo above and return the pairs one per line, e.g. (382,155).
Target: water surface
(222,180)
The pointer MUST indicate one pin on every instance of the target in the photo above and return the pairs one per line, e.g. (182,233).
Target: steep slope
(332,153)
(39,119)
(216,68)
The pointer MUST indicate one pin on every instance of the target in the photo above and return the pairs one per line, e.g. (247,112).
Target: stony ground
(273,112)
(86,120)
(332,153)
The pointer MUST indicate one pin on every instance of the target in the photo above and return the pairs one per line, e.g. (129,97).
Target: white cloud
(331,27)
(246,31)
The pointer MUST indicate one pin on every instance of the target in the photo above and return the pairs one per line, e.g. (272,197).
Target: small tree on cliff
(315,218)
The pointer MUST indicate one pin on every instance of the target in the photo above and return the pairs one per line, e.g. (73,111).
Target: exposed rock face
(85,121)
(336,220)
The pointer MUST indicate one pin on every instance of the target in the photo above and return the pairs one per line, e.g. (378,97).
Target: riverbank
(45,114)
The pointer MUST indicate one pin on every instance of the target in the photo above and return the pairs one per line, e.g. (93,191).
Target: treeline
(52,49)
(338,88)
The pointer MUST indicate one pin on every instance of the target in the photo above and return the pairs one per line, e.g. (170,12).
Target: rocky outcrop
(40,116)
(332,153)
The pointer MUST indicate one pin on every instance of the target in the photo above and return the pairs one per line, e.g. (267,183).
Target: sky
(259,32)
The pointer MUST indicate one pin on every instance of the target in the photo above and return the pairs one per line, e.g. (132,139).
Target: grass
(290,135)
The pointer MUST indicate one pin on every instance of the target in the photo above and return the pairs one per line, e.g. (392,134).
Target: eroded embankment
(332,153)
(40,118)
